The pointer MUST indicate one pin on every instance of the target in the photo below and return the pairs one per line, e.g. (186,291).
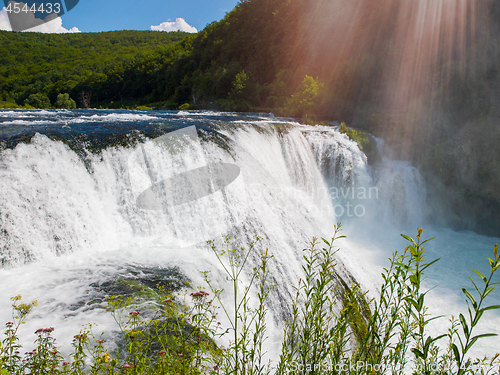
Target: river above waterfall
(78,209)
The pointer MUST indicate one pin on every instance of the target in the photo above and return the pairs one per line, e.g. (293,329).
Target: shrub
(38,101)
(308,99)
(65,102)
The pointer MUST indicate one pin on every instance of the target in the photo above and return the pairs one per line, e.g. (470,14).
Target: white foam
(82,225)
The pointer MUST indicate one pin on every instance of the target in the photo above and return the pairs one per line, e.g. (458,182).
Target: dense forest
(432,93)
(35,68)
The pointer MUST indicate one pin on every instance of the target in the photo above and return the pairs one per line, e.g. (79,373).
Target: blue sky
(98,15)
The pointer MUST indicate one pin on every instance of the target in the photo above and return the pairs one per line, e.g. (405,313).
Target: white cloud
(54,24)
(54,27)
(178,25)
(4,20)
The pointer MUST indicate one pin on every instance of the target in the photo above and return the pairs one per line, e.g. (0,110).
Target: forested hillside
(429,86)
(90,66)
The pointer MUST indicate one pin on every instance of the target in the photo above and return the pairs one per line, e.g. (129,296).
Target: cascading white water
(77,224)
(68,226)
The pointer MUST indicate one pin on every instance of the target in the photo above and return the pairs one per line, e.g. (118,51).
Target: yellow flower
(34,303)
(105,357)
(16,298)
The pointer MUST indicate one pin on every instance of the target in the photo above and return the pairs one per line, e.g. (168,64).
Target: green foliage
(332,328)
(143,108)
(316,332)
(109,66)
(280,88)
(365,141)
(38,101)
(64,101)
(248,325)
(4,105)
(184,107)
(308,99)
(275,43)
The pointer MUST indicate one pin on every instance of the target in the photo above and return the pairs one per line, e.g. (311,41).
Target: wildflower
(180,355)
(65,363)
(16,298)
(167,301)
(100,342)
(34,303)
(134,313)
(162,352)
(127,366)
(105,357)
(80,337)
(199,294)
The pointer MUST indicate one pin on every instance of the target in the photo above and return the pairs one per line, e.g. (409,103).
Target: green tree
(242,92)
(38,100)
(307,100)
(64,101)
(281,88)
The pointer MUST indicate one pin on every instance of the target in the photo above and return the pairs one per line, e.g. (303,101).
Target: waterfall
(72,223)
(75,216)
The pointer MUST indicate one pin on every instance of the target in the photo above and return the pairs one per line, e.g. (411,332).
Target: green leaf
(488,291)
(429,239)
(418,353)
(456,353)
(469,296)
(478,316)
(480,275)
(492,264)
(475,338)
(409,239)
(485,335)
(493,307)
(438,338)
(465,327)
(434,318)
(431,263)
(475,286)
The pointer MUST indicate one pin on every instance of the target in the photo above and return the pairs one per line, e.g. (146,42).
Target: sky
(161,15)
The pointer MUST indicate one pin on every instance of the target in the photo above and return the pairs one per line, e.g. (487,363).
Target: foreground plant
(317,333)
(467,341)
(244,355)
(332,329)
